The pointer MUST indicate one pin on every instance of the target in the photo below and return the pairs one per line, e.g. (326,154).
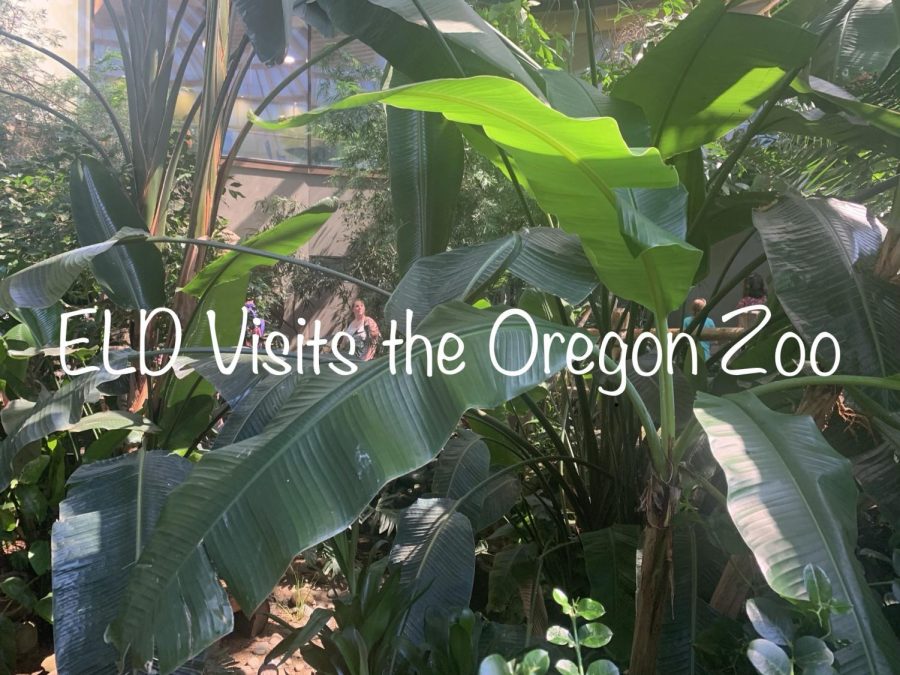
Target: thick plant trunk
(654,585)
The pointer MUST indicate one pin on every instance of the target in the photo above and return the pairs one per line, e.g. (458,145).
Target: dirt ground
(244,651)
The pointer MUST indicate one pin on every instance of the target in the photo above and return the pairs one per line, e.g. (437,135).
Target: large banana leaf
(878,475)
(426,157)
(284,238)
(397,30)
(462,465)
(793,500)
(110,510)
(41,285)
(545,258)
(435,549)
(268,25)
(711,73)
(572,167)
(610,559)
(132,274)
(861,44)
(817,249)
(574,97)
(687,614)
(336,441)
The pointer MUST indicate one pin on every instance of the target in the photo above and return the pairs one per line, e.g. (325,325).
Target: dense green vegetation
(707,521)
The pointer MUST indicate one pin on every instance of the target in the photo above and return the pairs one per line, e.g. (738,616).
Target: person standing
(697,306)
(364,331)
(754,294)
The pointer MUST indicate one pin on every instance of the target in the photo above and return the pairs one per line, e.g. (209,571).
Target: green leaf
(688,615)
(811,652)
(39,556)
(44,283)
(59,411)
(768,658)
(818,586)
(558,635)
(574,97)
(840,127)
(44,608)
(878,474)
(132,274)
(813,244)
(594,635)
(109,513)
(566,667)
(824,92)
(328,448)
(862,42)
(426,158)
(463,463)
(711,73)
(560,598)
(771,620)
(494,665)
(545,258)
(793,500)
(397,30)
(268,25)
(572,167)
(434,548)
(602,667)
(301,636)
(284,239)
(535,662)
(589,609)
(610,561)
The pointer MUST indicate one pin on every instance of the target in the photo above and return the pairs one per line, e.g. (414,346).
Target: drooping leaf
(840,127)
(610,562)
(425,158)
(132,273)
(572,167)
(793,500)
(110,510)
(268,25)
(319,463)
(816,244)
(771,620)
(435,549)
(284,239)
(710,74)
(397,30)
(44,283)
(825,93)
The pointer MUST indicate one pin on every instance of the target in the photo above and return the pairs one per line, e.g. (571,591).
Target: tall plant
(630,215)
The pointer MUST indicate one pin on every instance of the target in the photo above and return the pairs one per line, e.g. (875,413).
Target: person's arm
(373,327)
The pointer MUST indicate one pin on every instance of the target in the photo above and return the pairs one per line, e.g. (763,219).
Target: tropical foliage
(727,519)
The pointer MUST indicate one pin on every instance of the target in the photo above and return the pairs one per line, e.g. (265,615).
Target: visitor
(257,327)
(697,307)
(754,294)
(364,331)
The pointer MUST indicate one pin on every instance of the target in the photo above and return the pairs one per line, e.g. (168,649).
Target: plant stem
(65,118)
(123,141)
(811,380)
(589,25)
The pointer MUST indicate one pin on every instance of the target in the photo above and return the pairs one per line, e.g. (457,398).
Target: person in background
(697,306)
(252,328)
(364,331)
(754,294)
